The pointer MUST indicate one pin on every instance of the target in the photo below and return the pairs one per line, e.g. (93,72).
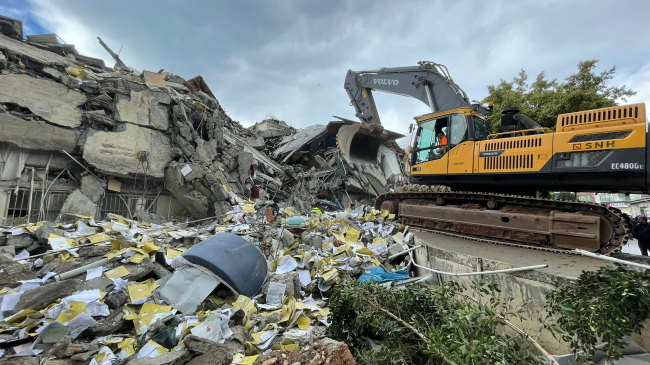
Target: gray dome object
(234,260)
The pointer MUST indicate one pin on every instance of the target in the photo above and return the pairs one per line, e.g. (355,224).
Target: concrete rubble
(99,293)
(97,136)
(109,175)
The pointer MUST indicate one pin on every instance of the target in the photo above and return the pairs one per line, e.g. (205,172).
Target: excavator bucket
(357,144)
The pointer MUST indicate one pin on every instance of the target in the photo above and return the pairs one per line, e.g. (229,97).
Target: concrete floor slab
(567,266)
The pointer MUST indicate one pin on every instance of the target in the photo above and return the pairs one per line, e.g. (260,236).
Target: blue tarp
(380,275)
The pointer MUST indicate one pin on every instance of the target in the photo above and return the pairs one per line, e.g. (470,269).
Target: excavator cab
(439,133)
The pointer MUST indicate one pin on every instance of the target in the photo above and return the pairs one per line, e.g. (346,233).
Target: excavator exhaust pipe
(359,144)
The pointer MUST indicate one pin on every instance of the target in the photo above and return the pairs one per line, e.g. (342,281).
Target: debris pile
(251,287)
(119,140)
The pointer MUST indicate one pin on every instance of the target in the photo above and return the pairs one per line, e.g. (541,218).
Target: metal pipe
(31,194)
(612,259)
(41,213)
(80,164)
(525,268)
(403,252)
(83,269)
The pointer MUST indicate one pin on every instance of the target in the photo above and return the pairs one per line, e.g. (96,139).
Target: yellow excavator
(470,183)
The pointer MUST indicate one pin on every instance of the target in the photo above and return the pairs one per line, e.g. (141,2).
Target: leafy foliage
(602,306)
(446,327)
(544,99)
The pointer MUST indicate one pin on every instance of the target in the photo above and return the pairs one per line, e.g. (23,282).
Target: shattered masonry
(113,180)
(156,143)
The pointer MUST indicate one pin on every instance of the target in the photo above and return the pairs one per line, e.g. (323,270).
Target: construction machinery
(468,182)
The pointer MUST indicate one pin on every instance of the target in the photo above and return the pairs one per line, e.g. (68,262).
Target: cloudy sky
(289,58)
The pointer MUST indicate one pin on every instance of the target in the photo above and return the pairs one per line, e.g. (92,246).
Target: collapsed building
(80,138)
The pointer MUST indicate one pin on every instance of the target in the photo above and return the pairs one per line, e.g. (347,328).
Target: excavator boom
(428,82)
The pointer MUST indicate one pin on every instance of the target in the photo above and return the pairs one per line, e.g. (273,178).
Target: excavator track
(620,223)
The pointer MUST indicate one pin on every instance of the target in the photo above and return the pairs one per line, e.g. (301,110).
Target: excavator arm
(429,82)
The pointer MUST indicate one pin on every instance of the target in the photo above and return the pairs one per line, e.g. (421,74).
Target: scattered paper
(287,264)
(21,256)
(187,288)
(275,293)
(117,272)
(18,231)
(9,302)
(213,328)
(97,309)
(186,170)
(94,273)
(58,243)
(79,324)
(305,277)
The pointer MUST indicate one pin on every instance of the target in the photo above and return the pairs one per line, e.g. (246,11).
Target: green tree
(544,99)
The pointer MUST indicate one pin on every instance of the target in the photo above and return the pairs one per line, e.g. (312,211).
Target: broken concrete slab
(195,202)
(93,251)
(147,108)
(108,325)
(76,204)
(116,300)
(119,153)
(48,99)
(38,55)
(41,297)
(290,279)
(52,72)
(102,283)
(43,232)
(20,241)
(138,271)
(35,135)
(13,272)
(149,217)
(168,358)
(92,187)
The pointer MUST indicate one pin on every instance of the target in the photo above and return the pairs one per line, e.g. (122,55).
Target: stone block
(92,187)
(20,241)
(36,135)
(76,203)
(168,358)
(102,283)
(43,232)
(290,279)
(147,108)
(48,99)
(41,297)
(119,152)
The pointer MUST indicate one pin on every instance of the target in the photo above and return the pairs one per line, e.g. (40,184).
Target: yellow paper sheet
(99,237)
(138,292)
(117,272)
(76,308)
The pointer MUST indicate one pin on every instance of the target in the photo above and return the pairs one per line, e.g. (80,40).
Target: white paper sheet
(29,285)
(18,231)
(9,302)
(275,293)
(287,264)
(83,296)
(94,273)
(58,243)
(97,308)
(84,230)
(79,324)
(21,256)
(305,277)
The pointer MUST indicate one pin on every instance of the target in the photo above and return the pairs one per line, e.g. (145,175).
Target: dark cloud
(289,58)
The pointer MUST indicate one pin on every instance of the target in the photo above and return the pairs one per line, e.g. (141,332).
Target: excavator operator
(442,142)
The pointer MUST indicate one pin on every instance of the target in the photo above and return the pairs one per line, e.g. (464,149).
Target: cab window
(458,129)
(480,128)
(432,142)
